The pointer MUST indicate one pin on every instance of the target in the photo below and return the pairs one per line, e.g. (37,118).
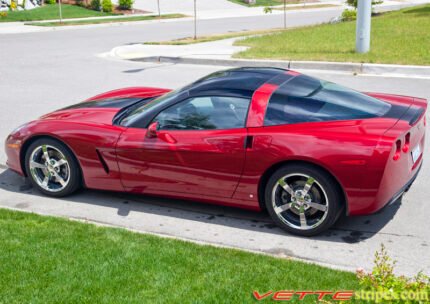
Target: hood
(93,115)
(98,111)
(103,108)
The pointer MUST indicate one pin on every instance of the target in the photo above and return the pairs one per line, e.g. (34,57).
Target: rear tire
(52,168)
(303,199)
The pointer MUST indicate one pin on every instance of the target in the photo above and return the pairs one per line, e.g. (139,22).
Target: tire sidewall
(326,181)
(75,173)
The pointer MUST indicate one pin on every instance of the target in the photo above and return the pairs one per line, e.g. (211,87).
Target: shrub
(107,6)
(3,14)
(382,279)
(126,4)
(349,15)
(95,5)
(50,1)
(13,5)
(267,10)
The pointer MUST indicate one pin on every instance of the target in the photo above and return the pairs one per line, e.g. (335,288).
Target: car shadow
(347,230)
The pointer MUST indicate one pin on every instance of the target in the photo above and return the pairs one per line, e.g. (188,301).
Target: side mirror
(152,130)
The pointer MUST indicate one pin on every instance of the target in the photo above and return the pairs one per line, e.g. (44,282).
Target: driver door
(198,148)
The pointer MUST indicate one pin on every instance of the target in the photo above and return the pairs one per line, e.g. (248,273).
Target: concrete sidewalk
(220,53)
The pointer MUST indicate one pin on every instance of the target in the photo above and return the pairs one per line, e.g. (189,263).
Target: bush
(107,6)
(349,15)
(13,5)
(95,5)
(126,4)
(383,280)
(50,1)
(3,14)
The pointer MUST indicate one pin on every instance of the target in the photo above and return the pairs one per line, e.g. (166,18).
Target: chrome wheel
(49,168)
(300,201)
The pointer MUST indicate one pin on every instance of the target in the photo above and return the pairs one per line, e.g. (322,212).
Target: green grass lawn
(51,260)
(401,37)
(107,20)
(267,2)
(50,12)
(209,38)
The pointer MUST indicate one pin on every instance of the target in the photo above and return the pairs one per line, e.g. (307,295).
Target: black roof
(239,82)
(243,81)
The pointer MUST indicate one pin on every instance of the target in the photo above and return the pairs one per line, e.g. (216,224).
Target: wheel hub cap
(49,168)
(300,201)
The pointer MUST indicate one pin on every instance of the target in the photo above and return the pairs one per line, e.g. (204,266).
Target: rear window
(307,99)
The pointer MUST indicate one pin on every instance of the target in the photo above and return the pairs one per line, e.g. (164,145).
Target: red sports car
(306,150)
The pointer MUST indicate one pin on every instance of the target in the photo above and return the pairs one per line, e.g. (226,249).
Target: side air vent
(102,161)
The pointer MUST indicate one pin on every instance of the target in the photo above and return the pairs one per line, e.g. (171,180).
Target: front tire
(52,168)
(303,199)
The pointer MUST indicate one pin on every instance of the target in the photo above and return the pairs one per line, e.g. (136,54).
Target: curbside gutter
(350,67)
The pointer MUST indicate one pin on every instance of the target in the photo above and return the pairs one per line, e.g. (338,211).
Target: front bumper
(13,150)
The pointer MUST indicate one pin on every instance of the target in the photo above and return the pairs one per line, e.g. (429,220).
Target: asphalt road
(44,71)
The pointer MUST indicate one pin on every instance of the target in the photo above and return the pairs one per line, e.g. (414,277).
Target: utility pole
(159,11)
(362,36)
(61,13)
(285,14)
(195,20)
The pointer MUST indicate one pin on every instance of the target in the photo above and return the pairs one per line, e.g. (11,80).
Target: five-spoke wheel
(49,168)
(303,199)
(52,168)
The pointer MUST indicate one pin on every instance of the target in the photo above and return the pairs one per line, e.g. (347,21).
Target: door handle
(248,141)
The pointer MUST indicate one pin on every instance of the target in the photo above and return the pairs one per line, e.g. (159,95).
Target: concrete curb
(350,67)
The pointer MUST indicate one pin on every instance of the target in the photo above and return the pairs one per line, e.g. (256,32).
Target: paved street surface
(41,72)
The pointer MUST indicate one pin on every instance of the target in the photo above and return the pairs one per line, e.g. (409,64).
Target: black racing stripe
(396,111)
(106,103)
(412,115)
(280,79)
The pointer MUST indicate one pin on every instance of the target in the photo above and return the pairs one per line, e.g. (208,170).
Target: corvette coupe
(304,149)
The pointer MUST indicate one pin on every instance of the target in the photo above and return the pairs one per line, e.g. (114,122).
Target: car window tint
(307,99)
(205,113)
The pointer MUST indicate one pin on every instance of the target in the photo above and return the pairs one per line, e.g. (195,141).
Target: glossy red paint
(131,92)
(216,166)
(258,106)
(207,163)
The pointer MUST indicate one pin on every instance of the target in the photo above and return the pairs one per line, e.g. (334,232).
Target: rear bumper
(405,188)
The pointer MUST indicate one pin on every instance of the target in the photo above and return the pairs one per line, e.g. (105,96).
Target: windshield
(136,113)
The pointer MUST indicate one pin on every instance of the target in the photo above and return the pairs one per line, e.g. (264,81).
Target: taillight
(398,150)
(425,120)
(407,143)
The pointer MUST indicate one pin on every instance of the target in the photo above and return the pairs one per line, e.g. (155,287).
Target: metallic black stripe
(396,111)
(412,114)
(118,103)
(280,79)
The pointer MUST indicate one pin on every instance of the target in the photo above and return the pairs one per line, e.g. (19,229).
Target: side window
(205,113)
